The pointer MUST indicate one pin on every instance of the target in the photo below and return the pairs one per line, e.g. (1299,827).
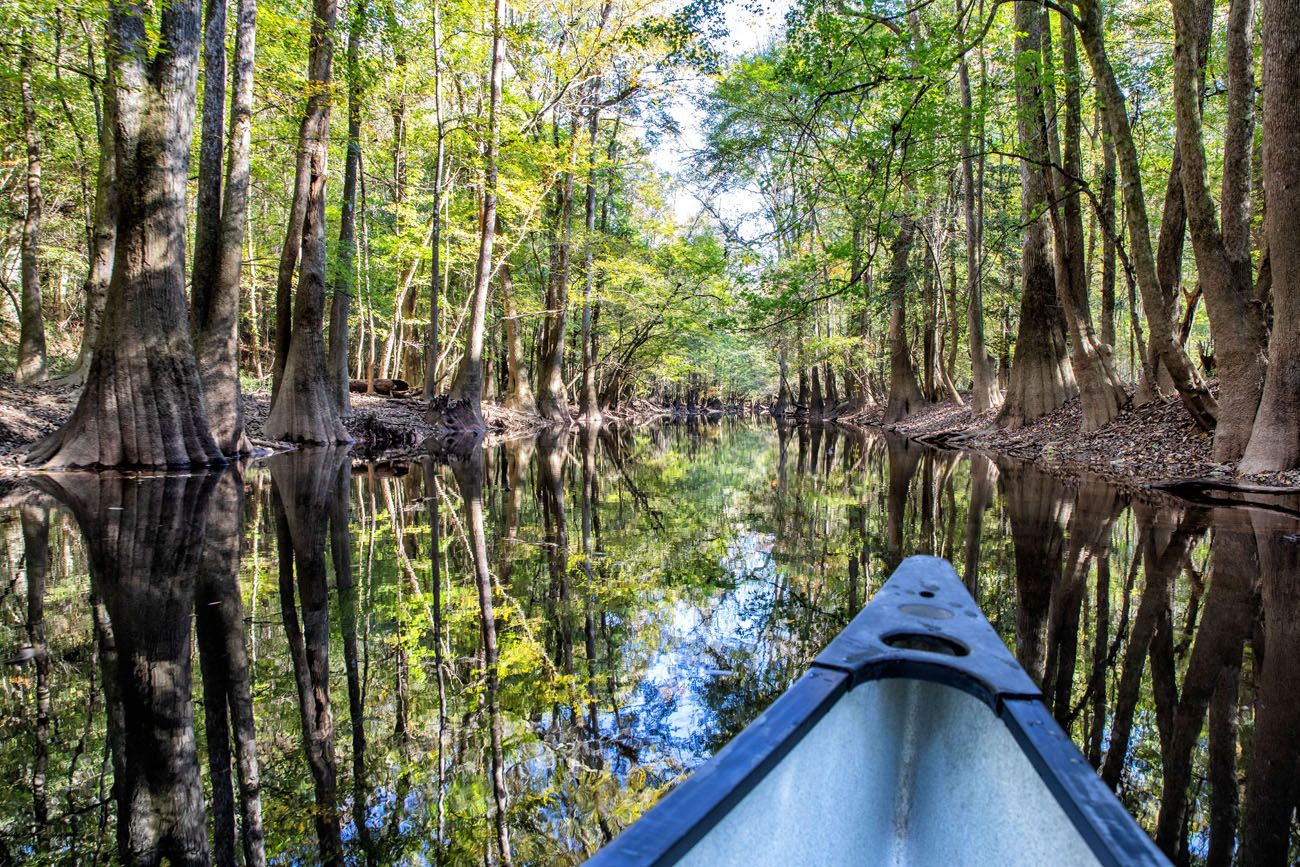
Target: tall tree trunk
(464,410)
(31,338)
(589,402)
(1275,440)
(1222,255)
(303,408)
(519,392)
(1040,379)
(1199,403)
(215,295)
(551,399)
(103,242)
(1108,246)
(1101,392)
(345,274)
(432,348)
(985,393)
(207,205)
(142,404)
(904,392)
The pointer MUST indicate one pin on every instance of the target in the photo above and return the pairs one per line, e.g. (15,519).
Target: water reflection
(537,639)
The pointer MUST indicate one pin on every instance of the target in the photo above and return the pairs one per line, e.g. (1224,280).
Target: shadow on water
(505,654)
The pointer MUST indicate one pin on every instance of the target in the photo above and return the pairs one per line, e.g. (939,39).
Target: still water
(506,658)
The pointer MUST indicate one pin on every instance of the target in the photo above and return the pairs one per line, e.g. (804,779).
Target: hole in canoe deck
(928,643)
(927,594)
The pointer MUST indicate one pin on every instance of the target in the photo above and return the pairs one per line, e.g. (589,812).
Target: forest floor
(1145,446)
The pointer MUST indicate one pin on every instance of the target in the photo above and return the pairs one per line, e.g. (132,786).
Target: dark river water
(507,658)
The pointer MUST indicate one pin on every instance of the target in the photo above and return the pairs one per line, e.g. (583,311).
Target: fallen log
(386,387)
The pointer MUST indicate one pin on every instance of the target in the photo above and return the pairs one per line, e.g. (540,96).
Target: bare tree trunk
(1108,247)
(103,242)
(1198,401)
(519,392)
(984,384)
(552,401)
(1101,391)
(904,392)
(590,403)
(214,311)
(432,348)
(1275,440)
(345,275)
(1040,380)
(783,390)
(1222,255)
(227,681)
(144,537)
(303,409)
(1271,777)
(465,410)
(207,206)
(31,339)
(142,404)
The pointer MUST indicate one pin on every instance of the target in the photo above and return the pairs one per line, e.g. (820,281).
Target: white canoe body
(914,739)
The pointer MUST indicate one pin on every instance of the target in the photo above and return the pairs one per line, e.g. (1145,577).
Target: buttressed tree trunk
(464,409)
(215,293)
(1222,253)
(1040,379)
(31,338)
(304,409)
(1275,440)
(904,391)
(1196,399)
(142,404)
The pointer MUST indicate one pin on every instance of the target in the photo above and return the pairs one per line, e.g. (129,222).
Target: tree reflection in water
(539,637)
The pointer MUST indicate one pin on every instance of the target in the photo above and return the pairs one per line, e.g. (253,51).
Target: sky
(748,31)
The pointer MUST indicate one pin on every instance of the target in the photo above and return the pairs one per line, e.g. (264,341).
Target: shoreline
(1153,448)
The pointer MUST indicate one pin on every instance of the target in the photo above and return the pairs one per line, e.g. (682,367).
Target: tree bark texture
(1275,439)
(142,405)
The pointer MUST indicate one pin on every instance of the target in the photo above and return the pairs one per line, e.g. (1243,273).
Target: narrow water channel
(295,661)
